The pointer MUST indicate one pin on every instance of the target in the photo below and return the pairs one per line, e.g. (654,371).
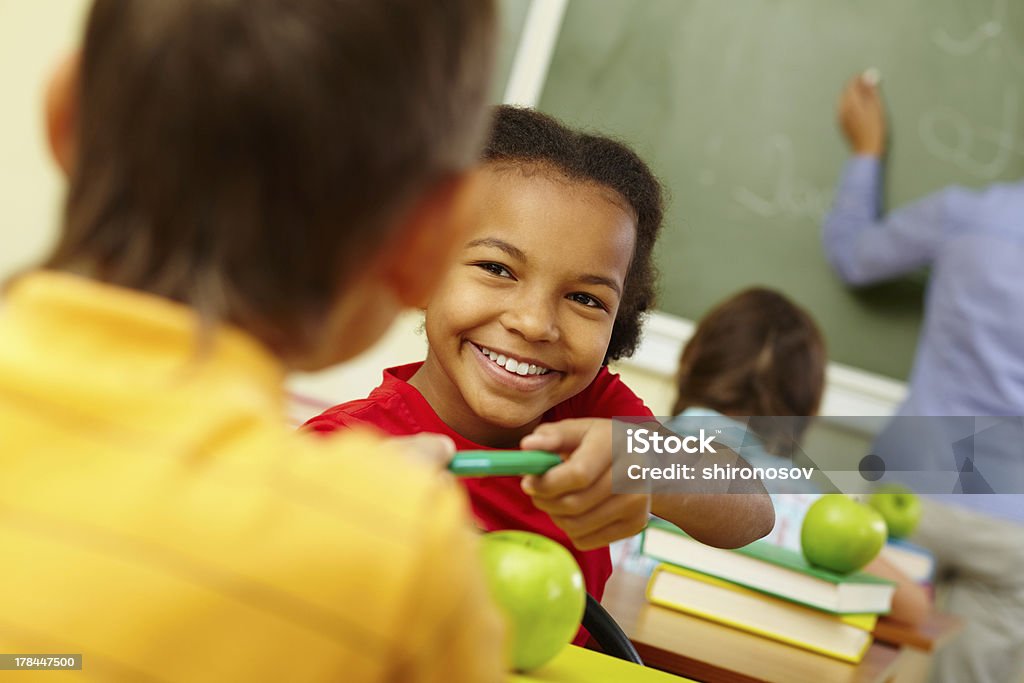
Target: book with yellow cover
(846,637)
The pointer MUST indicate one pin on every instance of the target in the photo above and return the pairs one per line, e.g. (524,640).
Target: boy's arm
(453,630)
(578,494)
(723,520)
(722,513)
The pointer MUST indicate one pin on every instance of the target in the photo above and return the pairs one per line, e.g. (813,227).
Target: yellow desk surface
(577,665)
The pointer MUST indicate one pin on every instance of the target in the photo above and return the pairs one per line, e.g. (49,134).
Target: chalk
(872,76)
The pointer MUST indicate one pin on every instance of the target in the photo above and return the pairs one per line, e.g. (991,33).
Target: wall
(34,35)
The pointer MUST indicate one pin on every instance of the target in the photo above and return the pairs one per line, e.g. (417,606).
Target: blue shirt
(970,355)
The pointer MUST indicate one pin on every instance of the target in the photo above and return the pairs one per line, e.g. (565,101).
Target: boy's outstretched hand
(578,493)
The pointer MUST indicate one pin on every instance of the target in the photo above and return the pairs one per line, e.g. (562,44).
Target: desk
(704,650)
(938,630)
(918,643)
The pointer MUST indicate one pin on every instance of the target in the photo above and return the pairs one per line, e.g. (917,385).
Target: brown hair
(755,354)
(245,157)
(523,136)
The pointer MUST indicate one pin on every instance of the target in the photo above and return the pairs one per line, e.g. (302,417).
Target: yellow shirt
(158,517)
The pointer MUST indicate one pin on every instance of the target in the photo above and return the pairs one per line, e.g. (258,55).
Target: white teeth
(512,365)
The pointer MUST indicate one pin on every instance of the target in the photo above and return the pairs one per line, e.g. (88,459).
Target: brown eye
(587,300)
(495,269)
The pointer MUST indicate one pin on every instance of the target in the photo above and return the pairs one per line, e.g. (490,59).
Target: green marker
(501,463)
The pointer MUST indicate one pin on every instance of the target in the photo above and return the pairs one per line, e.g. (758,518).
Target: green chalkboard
(732,102)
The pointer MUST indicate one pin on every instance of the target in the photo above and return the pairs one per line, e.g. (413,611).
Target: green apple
(900,508)
(841,534)
(539,588)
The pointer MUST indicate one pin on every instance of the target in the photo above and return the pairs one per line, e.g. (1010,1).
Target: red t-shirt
(398,408)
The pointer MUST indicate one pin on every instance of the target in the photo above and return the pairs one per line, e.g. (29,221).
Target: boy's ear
(431,234)
(61,110)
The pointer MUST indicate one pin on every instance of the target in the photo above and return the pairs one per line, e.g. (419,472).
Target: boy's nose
(533,321)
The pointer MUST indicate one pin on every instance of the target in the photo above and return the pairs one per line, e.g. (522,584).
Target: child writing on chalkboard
(551,284)
(758,354)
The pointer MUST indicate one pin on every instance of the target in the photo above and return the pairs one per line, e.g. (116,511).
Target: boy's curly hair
(521,135)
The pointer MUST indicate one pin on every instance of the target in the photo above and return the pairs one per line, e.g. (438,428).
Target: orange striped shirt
(158,516)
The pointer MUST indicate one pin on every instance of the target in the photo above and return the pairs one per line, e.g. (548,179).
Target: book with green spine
(773,570)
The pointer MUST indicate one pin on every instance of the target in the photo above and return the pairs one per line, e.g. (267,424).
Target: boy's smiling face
(523,319)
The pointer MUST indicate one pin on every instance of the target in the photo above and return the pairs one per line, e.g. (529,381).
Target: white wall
(34,35)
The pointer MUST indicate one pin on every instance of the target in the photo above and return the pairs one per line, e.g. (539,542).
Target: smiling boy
(553,281)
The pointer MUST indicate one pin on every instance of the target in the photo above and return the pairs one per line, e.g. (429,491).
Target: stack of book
(766,589)
(916,562)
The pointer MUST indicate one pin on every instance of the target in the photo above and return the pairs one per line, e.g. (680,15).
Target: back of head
(755,354)
(528,141)
(245,157)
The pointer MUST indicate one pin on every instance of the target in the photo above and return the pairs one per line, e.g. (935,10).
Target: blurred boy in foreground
(237,170)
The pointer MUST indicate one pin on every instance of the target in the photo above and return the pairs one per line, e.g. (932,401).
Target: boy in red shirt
(551,285)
